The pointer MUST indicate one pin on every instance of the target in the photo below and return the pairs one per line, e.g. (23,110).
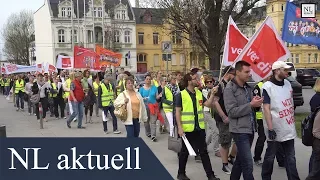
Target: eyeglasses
(209,82)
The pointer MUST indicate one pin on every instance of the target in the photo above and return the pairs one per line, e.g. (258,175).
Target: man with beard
(190,121)
(278,110)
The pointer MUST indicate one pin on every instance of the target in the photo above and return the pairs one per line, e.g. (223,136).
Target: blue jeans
(114,118)
(134,129)
(77,108)
(289,159)
(244,162)
(6,90)
(315,173)
(19,98)
(310,161)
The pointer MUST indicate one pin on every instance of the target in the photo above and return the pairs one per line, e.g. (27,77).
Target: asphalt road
(307,93)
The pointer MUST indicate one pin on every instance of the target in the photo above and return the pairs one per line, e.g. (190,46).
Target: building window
(118,15)
(173,60)
(182,59)
(63,12)
(142,58)
(100,14)
(297,58)
(282,7)
(61,36)
(75,35)
(177,37)
(147,18)
(69,12)
(315,57)
(155,38)
(127,38)
(141,37)
(123,14)
(309,58)
(156,60)
(272,8)
(116,36)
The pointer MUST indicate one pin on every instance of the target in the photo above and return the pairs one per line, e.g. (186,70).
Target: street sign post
(167,49)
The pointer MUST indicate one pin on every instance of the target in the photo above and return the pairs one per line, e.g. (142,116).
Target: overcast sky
(13,6)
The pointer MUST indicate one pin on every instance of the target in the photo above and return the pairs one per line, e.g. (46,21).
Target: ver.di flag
(263,49)
(297,30)
(85,58)
(234,43)
(108,57)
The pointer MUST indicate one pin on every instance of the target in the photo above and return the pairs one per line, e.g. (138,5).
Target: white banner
(64,62)
(14,68)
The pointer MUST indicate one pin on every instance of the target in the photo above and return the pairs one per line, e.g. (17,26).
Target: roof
(157,15)
(109,4)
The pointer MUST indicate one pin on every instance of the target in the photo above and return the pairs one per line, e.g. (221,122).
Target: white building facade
(107,23)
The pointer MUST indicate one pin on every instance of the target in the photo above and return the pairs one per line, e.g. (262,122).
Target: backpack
(307,128)
(35,98)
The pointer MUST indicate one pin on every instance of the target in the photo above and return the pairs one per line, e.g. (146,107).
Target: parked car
(307,77)
(292,70)
(296,87)
(139,78)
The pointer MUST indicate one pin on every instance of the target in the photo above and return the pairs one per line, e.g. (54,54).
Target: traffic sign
(167,46)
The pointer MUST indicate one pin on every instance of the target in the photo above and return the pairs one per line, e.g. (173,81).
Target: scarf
(173,88)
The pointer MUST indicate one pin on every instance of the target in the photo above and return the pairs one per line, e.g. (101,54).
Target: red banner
(85,58)
(108,57)
(66,62)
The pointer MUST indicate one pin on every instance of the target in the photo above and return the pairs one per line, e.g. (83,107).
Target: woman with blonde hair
(136,110)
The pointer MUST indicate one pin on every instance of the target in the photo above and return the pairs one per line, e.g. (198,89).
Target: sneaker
(29,114)
(64,117)
(17,109)
(57,118)
(149,136)
(74,120)
(258,163)
(182,177)
(81,127)
(22,110)
(106,132)
(226,169)
(117,132)
(198,159)
(68,124)
(154,139)
(45,120)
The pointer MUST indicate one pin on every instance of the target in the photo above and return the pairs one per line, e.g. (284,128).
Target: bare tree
(204,22)
(18,33)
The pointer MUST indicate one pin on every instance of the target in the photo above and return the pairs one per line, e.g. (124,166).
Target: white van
(292,70)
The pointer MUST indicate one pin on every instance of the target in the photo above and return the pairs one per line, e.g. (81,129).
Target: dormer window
(147,18)
(123,14)
(121,11)
(69,11)
(63,12)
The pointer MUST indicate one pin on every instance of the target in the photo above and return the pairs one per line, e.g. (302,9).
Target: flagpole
(94,38)
(103,33)
(78,31)
(84,24)
(72,28)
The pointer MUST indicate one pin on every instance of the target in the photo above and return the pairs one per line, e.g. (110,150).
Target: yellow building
(151,32)
(302,55)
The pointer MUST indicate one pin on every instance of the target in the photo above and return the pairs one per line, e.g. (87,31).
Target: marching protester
(190,121)
(57,95)
(222,121)
(90,98)
(66,89)
(76,97)
(28,91)
(136,110)
(106,96)
(96,85)
(278,110)
(239,101)
(157,80)
(150,94)
(42,87)
(19,91)
(212,134)
(161,115)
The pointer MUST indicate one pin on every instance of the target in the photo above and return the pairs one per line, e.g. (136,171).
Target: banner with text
(79,158)
(85,58)
(64,62)
(108,57)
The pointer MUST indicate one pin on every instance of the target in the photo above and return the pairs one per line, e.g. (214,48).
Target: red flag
(234,43)
(85,58)
(66,62)
(264,48)
(108,57)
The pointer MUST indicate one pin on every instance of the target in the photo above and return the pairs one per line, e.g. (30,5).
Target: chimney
(137,4)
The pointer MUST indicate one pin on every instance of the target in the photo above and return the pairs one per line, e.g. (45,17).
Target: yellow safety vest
(187,113)
(259,114)
(155,82)
(55,88)
(95,88)
(7,83)
(1,82)
(67,93)
(19,86)
(106,96)
(169,96)
(121,83)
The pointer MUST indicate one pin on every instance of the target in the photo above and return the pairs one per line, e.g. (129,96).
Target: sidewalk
(20,124)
